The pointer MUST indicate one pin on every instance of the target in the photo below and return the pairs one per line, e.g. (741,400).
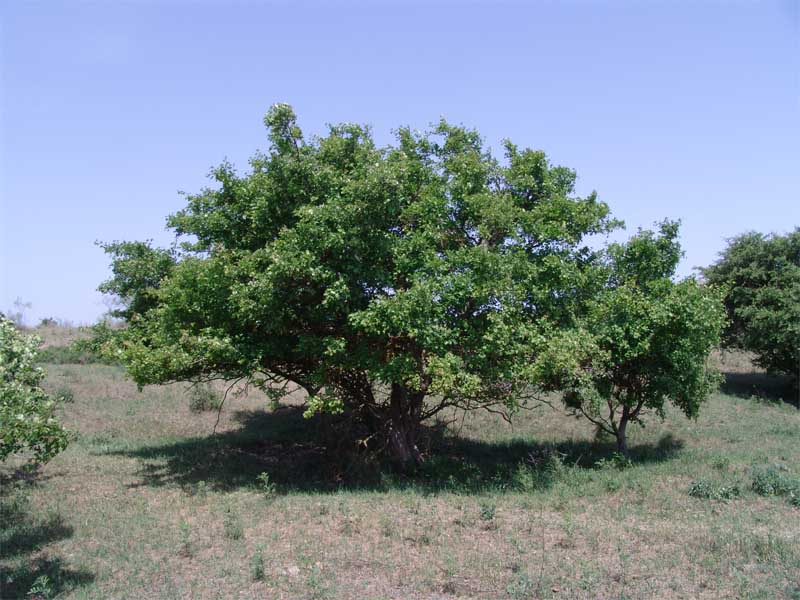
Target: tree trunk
(622,440)
(402,427)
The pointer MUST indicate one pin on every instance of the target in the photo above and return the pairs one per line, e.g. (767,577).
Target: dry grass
(145,504)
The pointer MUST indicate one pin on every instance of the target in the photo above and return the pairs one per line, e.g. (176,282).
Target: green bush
(761,276)
(709,490)
(27,421)
(203,397)
(775,480)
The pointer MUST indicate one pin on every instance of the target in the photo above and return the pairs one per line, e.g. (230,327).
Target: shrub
(703,488)
(643,340)
(27,420)
(775,480)
(203,397)
(761,276)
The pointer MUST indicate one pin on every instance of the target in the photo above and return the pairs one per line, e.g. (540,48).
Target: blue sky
(686,110)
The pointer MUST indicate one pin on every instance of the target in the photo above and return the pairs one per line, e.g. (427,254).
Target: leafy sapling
(644,340)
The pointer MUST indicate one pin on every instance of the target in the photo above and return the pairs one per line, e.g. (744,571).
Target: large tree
(761,275)
(389,283)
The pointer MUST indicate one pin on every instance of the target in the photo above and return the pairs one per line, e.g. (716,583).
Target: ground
(148,503)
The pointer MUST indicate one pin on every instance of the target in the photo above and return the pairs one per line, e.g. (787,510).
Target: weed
(487,511)
(615,461)
(387,527)
(709,490)
(232,524)
(65,394)
(349,525)
(721,463)
(257,564)
(42,589)
(317,584)
(522,589)
(267,487)
(185,549)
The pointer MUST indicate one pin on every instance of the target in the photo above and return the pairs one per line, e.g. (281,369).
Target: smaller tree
(643,340)
(761,277)
(26,411)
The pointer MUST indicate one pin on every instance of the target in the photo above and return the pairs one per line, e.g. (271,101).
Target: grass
(147,503)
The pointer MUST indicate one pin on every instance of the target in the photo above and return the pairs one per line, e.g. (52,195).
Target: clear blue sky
(668,109)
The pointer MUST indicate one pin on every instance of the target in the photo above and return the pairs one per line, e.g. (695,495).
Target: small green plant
(257,564)
(721,463)
(185,549)
(267,487)
(202,398)
(42,589)
(709,490)
(487,511)
(616,461)
(232,524)
(65,394)
(521,589)
(387,527)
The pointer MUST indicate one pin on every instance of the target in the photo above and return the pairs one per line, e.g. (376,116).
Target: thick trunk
(402,427)
(402,446)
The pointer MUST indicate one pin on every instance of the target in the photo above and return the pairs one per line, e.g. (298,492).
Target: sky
(682,110)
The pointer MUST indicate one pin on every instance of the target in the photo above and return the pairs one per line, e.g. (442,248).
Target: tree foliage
(761,276)
(643,339)
(389,283)
(27,422)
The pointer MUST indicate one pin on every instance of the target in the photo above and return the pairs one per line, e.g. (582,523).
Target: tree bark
(622,440)
(402,427)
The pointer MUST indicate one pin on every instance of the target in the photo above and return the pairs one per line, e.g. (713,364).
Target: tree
(761,276)
(388,283)
(643,340)
(27,422)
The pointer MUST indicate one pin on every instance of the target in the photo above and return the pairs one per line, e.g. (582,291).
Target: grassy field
(148,503)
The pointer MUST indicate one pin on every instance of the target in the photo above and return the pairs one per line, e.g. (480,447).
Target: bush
(203,397)
(27,422)
(761,275)
(709,490)
(775,480)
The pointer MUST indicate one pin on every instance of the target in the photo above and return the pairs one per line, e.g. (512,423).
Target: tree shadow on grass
(300,455)
(21,538)
(765,387)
